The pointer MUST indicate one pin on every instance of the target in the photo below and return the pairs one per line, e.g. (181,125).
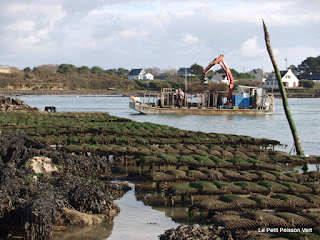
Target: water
(274,125)
(138,221)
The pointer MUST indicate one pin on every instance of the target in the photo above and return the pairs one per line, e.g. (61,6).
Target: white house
(288,78)
(139,74)
(219,78)
(147,76)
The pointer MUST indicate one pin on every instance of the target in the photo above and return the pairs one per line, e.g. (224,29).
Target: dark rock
(85,166)
(14,104)
(189,233)
(31,204)
(17,147)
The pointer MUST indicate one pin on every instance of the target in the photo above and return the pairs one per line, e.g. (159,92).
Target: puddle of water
(298,168)
(99,232)
(138,221)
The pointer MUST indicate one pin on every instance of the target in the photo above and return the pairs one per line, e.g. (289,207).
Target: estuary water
(274,125)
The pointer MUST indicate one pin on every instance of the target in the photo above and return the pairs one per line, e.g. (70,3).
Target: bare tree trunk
(283,93)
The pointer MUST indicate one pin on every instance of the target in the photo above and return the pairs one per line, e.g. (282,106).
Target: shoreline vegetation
(55,170)
(291,93)
(66,79)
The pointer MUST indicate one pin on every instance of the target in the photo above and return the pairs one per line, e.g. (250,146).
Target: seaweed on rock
(32,203)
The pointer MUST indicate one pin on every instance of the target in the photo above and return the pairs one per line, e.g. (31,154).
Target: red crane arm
(226,69)
(230,79)
(214,62)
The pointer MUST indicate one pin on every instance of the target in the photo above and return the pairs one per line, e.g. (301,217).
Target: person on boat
(176,98)
(180,97)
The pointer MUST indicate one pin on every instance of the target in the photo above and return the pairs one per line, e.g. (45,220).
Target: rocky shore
(14,104)
(41,188)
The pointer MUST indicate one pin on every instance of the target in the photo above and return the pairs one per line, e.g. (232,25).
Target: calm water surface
(138,221)
(274,125)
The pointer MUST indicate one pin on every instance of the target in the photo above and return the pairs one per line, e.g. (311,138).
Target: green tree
(196,69)
(96,70)
(66,68)
(27,69)
(234,73)
(111,72)
(83,70)
(308,66)
(244,76)
(122,72)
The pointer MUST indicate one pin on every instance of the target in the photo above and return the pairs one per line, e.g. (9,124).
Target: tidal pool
(135,221)
(138,221)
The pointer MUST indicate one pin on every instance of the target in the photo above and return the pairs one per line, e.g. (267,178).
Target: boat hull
(147,109)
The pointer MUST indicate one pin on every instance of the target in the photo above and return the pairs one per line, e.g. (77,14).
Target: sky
(157,33)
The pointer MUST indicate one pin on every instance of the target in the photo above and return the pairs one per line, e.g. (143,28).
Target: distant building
(219,78)
(258,74)
(182,72)
(255,72)
(5,69)
(314,77)
(288,78)
(139,74)
(147,76)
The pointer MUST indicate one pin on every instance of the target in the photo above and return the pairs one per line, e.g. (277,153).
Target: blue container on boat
(240,101)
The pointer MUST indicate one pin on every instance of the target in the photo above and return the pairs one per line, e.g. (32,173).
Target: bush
(307,83)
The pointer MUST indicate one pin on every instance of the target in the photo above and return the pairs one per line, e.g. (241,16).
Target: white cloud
(21,26)
(251,48)
(176,32)
(189,39)
(132,33)
(162,18)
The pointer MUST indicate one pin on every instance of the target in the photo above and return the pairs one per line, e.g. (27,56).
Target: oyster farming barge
(249,100)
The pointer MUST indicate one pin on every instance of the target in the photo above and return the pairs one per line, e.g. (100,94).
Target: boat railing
(167,98)
(151,97)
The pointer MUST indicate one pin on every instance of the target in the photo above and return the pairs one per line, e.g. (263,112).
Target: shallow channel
(136,221)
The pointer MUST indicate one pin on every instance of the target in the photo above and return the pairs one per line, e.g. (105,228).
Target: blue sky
(161,33)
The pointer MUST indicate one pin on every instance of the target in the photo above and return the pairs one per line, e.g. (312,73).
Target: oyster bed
(243,179)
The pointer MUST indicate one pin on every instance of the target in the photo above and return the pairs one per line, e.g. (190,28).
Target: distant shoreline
(291,93)
(106,93)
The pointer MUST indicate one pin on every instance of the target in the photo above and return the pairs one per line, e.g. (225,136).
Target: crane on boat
(224,66)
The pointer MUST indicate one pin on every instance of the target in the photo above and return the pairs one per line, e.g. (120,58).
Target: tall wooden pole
(185,79)
(283,93)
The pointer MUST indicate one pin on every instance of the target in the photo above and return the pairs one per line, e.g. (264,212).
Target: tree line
(69,77)
(308,66)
